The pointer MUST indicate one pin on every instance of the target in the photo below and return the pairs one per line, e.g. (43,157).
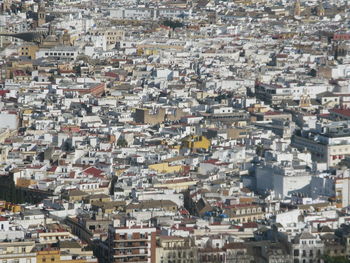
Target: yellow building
(182,248)
(48,256)
(52,237)
(257,108)
(22,65)
(8,206)
(177,184)
(194,142)
(24,182)
(147,205)
(151,51)
(112,35)
(54,256)
(97,198)
(4,134)
(108,207)
(28,50)
(244,213)
(165,168)
(75,195)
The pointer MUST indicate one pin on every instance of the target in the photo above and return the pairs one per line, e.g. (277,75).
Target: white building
(58,52)
(283,179)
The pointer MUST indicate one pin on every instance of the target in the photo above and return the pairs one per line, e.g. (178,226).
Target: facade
(58,52)
(132,243)
(329,145)
(195,142)
(17,252)
(284,181)
(307,247)
(28,50)
(175,249)
(273,94)
(244,213)
(112,35)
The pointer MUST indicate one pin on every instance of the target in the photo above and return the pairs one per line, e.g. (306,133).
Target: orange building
(93,89)
(53,255)
(8,206)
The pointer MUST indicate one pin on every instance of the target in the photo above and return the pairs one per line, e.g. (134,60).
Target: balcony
(130,257)
(130,254)
(133,260)
(132,245)
(131,240)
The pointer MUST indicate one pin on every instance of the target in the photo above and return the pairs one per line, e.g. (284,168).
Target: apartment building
(328,143)
(176,249)
(129,242)
(17,252)
(307,248)
(112,35)
(273,94)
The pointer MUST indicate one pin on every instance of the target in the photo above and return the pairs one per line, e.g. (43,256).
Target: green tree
(336,259)
(172,24)
(122,142)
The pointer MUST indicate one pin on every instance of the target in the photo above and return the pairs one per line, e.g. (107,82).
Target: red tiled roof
(19,73)
(212,161)
(3,92)
(344,112)
(93,171)
(273,113)
(250,225)
(184,211)
(53,169)
(111,74)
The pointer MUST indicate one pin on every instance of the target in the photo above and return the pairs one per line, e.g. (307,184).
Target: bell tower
(41,13)
(6,5)
(297,8)
(320,10)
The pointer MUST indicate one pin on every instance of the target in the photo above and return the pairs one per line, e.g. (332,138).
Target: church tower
(305,101)
(320,10)
(41,13)
(297,8)
(6,5)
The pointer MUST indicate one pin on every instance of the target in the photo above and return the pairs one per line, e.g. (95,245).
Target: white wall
(286,185)
(8,121)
